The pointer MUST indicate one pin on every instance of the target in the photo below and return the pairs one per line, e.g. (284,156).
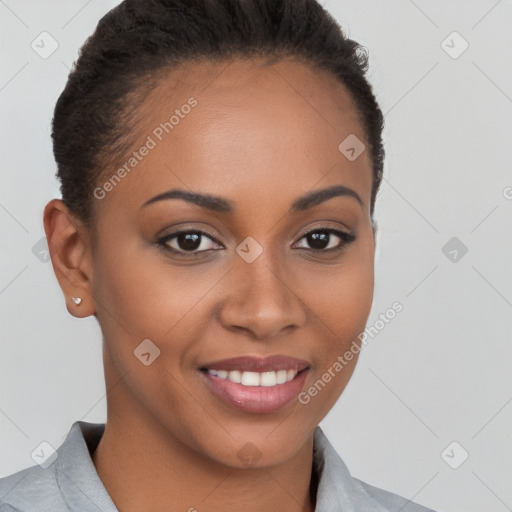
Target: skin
(261,137)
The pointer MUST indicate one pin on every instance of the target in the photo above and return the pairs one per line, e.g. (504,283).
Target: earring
(77,300)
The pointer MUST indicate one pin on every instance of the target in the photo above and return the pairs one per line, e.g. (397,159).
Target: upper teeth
(255,378)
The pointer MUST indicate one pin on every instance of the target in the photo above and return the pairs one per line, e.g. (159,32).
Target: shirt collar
(337,489)
(82,487)
(77,478)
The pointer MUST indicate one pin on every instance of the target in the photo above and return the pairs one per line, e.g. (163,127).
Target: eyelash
(346,239)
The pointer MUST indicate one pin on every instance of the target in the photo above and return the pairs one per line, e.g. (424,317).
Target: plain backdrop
(434,386)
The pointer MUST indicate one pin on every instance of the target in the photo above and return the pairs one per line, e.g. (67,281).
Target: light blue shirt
(71,484)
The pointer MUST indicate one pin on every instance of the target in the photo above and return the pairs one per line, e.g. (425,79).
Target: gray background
(439,372)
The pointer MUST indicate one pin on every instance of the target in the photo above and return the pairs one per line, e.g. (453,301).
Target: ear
(69,246)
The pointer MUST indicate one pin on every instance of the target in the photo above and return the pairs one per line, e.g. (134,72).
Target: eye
(322,239)
(196,242)
(189,242)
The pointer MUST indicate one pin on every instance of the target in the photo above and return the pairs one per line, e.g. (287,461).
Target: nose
(262,300)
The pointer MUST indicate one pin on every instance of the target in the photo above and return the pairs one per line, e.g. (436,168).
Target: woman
(219,164)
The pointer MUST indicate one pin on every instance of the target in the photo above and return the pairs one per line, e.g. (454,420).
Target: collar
(77,478)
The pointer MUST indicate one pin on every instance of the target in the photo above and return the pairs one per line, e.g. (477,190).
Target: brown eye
(188,241)
(192,242)
(327,239)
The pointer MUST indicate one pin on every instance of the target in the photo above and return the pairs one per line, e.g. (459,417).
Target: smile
(256,385)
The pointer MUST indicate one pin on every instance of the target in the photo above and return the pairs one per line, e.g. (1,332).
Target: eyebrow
(221,205)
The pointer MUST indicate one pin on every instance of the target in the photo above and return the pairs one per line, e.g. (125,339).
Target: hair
(139,41)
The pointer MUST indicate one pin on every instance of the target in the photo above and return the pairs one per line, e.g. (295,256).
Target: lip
(258,364)
(256,399)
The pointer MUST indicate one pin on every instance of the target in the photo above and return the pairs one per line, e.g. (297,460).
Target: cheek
(341,305)
(138,298)
(341,318)
(341,296)
(138,290)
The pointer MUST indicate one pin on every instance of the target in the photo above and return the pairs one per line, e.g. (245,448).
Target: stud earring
(77,300)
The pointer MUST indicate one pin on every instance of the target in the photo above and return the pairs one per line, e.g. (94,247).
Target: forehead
(253,80)
(250,98)
(253,127)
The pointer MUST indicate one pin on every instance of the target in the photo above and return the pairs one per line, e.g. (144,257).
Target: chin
(251,446)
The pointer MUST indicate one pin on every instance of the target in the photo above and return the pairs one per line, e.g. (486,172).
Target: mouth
(256,385)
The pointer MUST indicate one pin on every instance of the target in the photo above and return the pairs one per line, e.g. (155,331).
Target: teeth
(268,379)
(235,376)
(281,376)
(265,379)
(250,379)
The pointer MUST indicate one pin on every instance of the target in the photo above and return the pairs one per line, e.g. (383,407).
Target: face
(239,245)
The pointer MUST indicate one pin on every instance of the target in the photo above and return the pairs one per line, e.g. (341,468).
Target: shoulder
(4,507)
(338,490)
(388,501)
(66,477)
(31,489)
